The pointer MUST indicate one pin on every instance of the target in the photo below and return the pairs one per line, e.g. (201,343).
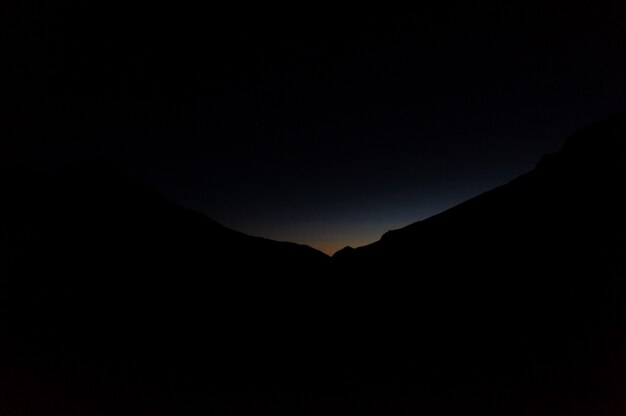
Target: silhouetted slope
(522,285)
(108,285)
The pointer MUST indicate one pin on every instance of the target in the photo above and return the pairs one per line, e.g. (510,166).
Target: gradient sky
(321,126)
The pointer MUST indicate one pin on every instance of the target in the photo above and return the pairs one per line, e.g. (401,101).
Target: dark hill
(520,288)
(109,287)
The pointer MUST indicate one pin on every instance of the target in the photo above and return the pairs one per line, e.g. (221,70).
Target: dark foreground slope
(108,287)
(520,289)
(116,301)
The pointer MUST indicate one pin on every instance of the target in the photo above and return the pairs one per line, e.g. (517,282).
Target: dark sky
(316,124)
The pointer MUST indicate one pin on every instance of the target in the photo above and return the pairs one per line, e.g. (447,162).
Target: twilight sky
(322,125)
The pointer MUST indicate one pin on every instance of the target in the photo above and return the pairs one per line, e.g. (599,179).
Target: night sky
(315,124)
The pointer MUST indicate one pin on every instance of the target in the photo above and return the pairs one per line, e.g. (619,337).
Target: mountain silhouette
(118,301)
(103,277)
(520,288)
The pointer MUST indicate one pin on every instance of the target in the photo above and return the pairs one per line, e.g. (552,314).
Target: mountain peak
(344,252)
